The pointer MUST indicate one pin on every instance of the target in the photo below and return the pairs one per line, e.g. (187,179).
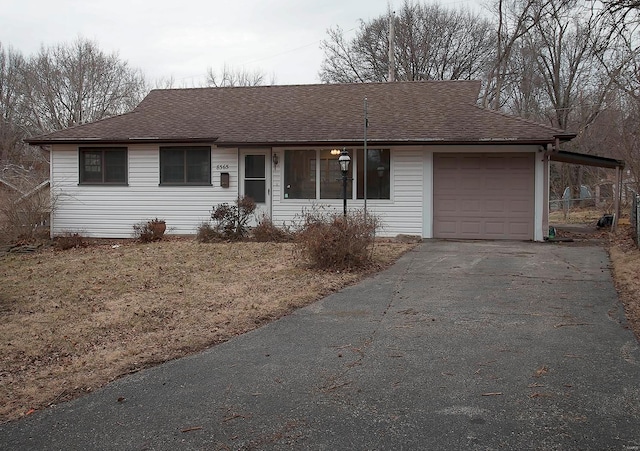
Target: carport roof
(399,113)
(564,156)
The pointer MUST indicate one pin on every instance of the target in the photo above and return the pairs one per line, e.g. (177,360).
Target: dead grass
(625,258)
(576,215)
(74,320)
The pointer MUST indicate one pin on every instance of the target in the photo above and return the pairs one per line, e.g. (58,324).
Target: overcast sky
(181,39)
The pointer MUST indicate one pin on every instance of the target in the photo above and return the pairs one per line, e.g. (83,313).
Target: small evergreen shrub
(328,240)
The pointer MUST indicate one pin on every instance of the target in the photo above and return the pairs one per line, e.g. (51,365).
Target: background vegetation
(571,64)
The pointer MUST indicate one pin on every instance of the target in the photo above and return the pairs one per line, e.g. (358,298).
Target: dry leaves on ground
(75,320)
(625,258)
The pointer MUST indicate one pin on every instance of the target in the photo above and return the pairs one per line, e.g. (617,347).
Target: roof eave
(84,141)
(563,137)
(384,142)
(564,156)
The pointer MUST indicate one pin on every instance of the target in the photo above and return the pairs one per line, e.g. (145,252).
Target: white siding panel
(111,211)
(401,214)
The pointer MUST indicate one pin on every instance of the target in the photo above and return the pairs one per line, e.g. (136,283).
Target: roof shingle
(426,111)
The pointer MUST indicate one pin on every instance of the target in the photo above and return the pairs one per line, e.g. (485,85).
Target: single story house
(438,165)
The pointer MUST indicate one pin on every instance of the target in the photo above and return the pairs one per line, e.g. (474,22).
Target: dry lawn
(74,320)
(576,215)
(625,258)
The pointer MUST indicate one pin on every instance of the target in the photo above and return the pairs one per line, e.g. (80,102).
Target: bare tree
(11,133)
(229,77)
(73,84)
(431,43)
(515,18)
(565,41)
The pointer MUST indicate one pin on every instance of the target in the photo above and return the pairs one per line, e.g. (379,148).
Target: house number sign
(222,166)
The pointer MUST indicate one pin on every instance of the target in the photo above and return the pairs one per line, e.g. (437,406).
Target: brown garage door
(483,196)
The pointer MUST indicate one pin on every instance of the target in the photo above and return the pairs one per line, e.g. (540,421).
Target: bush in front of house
(267,231)
(329,240)
(151,230)
(70,240)
(229,222)
(207,234)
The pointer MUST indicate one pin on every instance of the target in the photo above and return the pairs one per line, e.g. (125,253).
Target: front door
(256,179)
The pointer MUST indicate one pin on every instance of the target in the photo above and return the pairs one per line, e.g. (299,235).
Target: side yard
(74,320)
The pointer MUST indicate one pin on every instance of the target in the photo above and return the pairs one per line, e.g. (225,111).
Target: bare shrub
(231,221)
(267,231)
(329,240)
(24,216)
(151,230)
(206,233)
(70,240)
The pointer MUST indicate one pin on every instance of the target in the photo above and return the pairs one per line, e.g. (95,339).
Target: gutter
(82,141)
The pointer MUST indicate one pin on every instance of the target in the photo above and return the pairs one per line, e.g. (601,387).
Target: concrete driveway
(460,345)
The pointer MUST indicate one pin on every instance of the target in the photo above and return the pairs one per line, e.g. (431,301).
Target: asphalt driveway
(460,345)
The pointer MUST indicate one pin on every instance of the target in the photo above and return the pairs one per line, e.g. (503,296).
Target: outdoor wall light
(275,159)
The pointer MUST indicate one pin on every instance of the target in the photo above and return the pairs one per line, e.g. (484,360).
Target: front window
(185,165)
(378,173)
(315,174)
(300,174)
(331,177)
(103,165)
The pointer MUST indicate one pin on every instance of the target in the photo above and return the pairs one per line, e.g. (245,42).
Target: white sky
(181,39)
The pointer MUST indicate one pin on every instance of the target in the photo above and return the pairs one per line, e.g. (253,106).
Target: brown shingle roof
(430,111)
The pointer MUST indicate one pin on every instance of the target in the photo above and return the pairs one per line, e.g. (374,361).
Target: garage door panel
(469,183)
(449,228)
(494,206)
(488,196)
(471,227)
(468,206)
(521,162)
(519,207)
(448,162)
(518,228)
(495,228)
(448,206)
(473,162)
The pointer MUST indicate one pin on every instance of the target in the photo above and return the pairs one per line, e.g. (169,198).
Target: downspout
(618,199)
(550,149)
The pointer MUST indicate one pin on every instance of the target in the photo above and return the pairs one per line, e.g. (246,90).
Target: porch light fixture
(344,161)
(275,159)
(335,152)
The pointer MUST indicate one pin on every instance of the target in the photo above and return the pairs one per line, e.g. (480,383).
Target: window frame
(103,165)
(185,165)
(384,188)
(354,173)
